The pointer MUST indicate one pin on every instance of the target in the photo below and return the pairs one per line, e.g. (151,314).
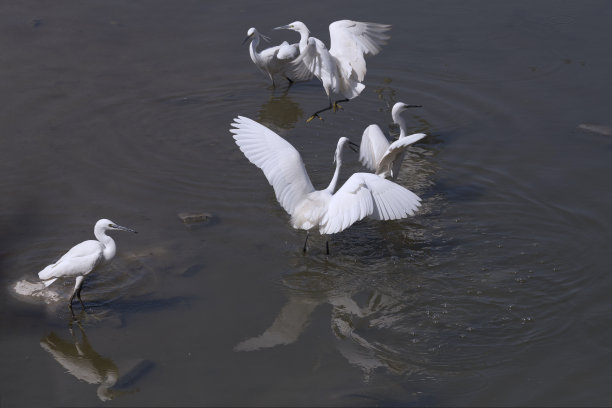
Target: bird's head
(401,106)
(106,224)
(295,26)
(344,141)
(250,34)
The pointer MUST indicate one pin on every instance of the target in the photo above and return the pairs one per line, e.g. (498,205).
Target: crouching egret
(382,157)
(342,68)
(83,258)
(362,195)
(275,60)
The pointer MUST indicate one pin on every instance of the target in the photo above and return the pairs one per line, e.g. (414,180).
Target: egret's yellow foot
(312,117)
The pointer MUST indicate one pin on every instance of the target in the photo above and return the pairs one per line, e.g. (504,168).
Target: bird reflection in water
(79,358)
(280,111)
(346,315)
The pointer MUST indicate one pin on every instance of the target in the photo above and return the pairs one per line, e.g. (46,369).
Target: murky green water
(495,293)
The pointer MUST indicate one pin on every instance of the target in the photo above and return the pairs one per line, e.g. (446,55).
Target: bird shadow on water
(280,111)
(79,358)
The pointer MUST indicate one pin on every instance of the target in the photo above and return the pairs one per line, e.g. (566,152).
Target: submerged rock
(36,290)
(195,218)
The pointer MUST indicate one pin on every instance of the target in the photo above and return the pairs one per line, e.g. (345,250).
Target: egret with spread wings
(362,195)
(380,156)
(342,68)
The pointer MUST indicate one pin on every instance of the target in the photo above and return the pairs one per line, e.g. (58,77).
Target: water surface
(495,293)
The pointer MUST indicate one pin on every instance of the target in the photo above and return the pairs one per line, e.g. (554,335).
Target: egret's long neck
(304,33)
(253,48)
(332,184)
(109,244)
(402,124)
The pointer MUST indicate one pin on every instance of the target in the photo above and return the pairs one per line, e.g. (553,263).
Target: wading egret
(382,157)
(83,258)
(342,68)
(275,60)
(362,195)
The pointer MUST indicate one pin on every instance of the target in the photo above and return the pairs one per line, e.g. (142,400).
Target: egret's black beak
(412,106)
(119,227)
(285,27)
(248,37)
(353,146)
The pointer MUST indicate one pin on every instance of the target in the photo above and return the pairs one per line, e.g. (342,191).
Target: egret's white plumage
(342,67)
(380,156)
(362,195)
(275,60)
(83,258)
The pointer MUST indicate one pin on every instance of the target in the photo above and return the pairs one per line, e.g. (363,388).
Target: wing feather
(392,158)
(277,158)
(373,146)
(351,40)
(79,260)
(351,203)
(393,200)
(366,194)
(287,51)
(316,59)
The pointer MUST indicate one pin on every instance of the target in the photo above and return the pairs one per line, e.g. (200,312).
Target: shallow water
(495,293)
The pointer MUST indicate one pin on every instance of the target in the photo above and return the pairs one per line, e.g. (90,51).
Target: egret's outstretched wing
(316,59)
(391,201)
(351,203)
(351,40)
(373,146)
(394,155)
(366,194)
(277,158)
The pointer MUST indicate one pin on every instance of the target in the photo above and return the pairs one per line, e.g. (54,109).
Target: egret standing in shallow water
(275,60)
(362,195)
(382,157)
(83,258)
(342,68)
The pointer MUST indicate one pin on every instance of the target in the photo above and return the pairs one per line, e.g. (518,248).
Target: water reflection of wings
(80,359)
(280,111)
(346,316)
(286,328)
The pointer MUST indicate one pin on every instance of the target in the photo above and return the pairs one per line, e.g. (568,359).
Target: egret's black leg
(327,246)
(79,296)
(77,291)
(316,114)
(336,106)
(304,250)
(290,81)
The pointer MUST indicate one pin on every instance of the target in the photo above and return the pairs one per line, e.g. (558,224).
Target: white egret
(362,195)
(276,60)
(382,157)
(83,258)
(342,68)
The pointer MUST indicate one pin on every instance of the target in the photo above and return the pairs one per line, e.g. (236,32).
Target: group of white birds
(341,69)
